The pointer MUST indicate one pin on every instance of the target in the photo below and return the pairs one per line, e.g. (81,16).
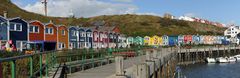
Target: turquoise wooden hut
(129,41)
(138,40)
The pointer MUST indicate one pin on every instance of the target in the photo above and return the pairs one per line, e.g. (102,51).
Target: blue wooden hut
(18,32)
(3,31)
(82,37)
(73,37)
(89,38)
(172,40)
(196,39)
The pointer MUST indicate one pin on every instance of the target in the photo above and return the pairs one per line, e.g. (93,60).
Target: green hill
(131,25)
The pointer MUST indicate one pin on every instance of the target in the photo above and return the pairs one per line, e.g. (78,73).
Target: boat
(232,59)
(211,60)
(222,60)
(237,57)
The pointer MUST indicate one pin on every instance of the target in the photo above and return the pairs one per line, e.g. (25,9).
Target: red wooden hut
(36,31)
(50,36)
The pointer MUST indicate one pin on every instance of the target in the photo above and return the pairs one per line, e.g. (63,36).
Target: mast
(44,2)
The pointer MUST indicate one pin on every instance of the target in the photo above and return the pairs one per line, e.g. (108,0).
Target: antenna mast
(44,2)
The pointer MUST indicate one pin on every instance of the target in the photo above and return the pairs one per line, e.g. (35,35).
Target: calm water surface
(218,70)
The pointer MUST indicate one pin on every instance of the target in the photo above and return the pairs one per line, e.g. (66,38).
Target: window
(63,45)
(15,27)
(63,32)
(89,34)
(34,29)
(49,30)
(12,26)
(18,27)
(31,29)
(82,34)
(46,31)
(74,33)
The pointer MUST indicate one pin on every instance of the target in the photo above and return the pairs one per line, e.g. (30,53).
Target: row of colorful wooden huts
(47,36)
(173,40)
(21,34)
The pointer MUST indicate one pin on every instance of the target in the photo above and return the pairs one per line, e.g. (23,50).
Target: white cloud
(81,8)
(123,0)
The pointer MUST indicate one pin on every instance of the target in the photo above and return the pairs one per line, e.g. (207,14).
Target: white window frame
(15,26)
(89,34)
(63,32)
(73,32)
(83,34)
(48,29)
(33,29)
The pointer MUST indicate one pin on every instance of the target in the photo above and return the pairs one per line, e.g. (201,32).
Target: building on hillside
(186,18)
(18,33)
(232,34)
(62,37)
(4,32)
(169,16)
(51,37)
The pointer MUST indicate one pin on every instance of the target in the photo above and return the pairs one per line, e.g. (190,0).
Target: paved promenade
(108,71)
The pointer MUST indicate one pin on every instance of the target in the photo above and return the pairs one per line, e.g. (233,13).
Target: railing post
(101,57)
(83,58)
(1,73)
(40,63)
(46,63)
(31,66)
(13,69)
(119,67)
(70,67)
(92,57)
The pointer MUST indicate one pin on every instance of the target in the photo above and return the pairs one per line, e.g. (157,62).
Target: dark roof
(2,19)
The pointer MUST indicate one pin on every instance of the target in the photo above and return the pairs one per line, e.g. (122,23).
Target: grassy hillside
(131,25)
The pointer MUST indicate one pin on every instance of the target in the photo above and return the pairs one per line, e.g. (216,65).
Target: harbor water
(211,70)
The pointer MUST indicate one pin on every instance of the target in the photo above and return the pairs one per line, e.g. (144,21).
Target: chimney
(5,14)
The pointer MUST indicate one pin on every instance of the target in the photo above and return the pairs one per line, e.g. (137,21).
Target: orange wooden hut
(62,37)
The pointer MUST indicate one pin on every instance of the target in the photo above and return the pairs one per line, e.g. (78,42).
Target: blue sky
(224,11)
